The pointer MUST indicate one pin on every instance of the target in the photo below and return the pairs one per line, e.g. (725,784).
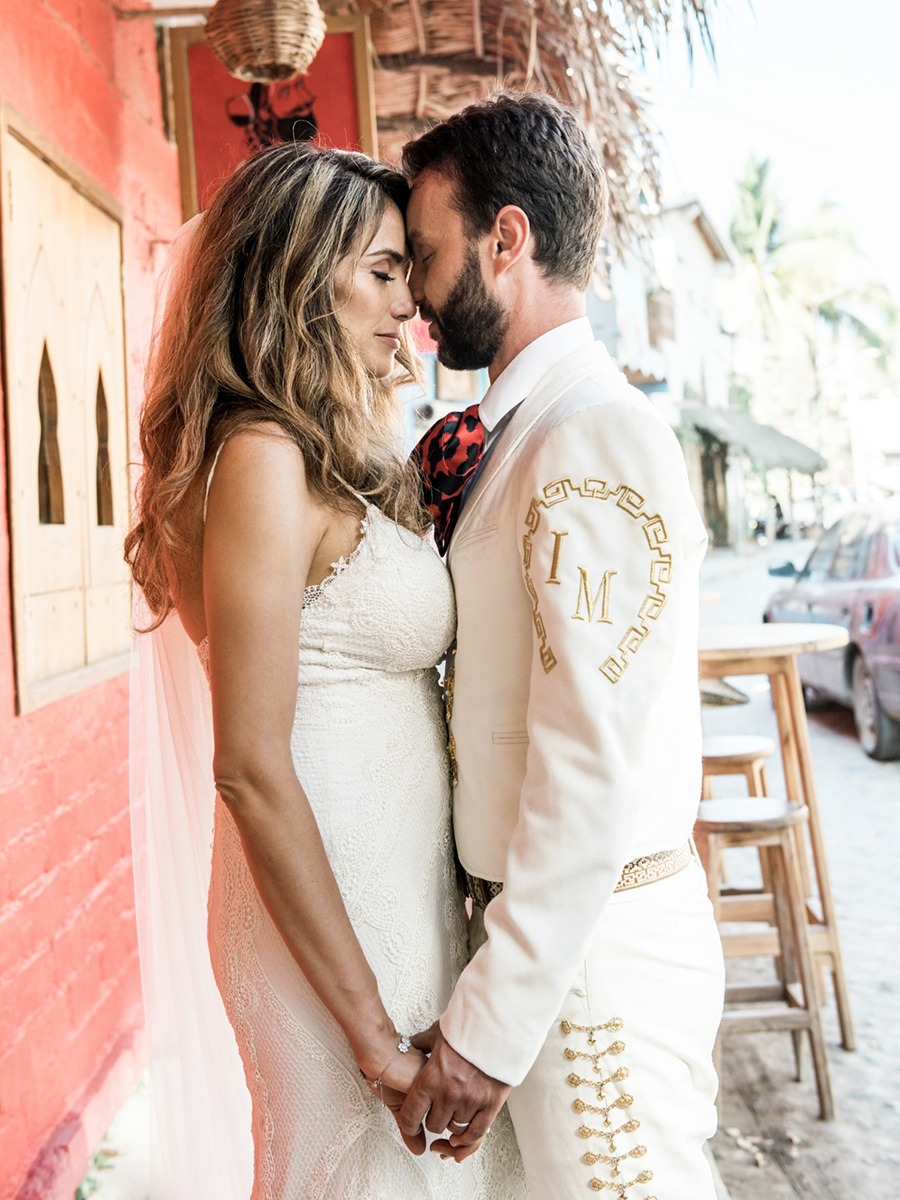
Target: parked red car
(852,578)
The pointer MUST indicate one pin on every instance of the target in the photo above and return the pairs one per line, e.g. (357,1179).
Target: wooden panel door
(66,427)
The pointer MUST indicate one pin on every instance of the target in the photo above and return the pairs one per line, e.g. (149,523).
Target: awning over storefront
(762,443)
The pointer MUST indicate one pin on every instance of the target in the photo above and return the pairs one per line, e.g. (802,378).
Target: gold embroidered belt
(646,869)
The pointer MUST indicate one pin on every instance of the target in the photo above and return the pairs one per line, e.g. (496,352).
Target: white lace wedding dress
(369,746)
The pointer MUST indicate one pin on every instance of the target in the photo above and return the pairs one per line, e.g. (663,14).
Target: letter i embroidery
(558,536)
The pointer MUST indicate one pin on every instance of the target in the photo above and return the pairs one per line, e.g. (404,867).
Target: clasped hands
(443,1092)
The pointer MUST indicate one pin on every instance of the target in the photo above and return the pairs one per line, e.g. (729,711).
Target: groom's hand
(450,1092)
(425,1041)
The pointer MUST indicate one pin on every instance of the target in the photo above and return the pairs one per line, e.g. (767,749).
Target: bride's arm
(261,534)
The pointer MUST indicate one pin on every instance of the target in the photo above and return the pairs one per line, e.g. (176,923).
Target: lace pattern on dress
(315,591)
(369,747)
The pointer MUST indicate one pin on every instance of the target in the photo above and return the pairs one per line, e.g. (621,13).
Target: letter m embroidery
(593,600)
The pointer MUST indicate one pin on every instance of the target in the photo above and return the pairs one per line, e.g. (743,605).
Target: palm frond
(434,56)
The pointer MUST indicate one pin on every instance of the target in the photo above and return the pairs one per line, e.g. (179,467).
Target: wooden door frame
(32,695)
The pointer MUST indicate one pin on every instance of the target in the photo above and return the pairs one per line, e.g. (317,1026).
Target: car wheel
(813,699)
(879,736)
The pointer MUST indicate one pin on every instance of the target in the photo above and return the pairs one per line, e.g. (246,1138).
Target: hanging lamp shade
(265,40)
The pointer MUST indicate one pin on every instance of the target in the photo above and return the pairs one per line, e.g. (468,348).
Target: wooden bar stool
(740,754)
(791,1002)
(772,650)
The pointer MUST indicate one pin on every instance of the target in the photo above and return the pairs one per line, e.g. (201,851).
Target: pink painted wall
(70,1017)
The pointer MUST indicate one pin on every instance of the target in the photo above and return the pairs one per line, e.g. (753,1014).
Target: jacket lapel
(587,360)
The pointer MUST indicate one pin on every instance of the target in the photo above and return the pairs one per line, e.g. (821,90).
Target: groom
(595,983)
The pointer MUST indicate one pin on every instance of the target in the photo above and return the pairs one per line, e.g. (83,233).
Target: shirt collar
(516,380)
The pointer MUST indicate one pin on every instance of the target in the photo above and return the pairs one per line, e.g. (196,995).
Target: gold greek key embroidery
(611,1185)
(660,569)
(650,867)
(548,659)
(558,535)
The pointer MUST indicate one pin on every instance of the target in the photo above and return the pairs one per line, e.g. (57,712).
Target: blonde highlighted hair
(251,333)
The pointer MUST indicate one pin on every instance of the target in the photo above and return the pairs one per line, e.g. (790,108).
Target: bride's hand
(392,1086)
(395,1083)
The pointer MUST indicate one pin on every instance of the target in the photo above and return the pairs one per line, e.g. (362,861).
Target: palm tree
(817,269)
(803,297)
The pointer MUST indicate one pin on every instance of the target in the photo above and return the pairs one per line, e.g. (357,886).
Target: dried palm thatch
(435,56)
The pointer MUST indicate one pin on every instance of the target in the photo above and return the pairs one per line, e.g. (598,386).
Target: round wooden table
(772,649)
(723,643)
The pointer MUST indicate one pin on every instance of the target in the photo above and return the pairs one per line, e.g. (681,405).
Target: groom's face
(448,279)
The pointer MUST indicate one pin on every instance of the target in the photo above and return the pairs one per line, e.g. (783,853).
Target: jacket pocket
(477,535)
(510,737)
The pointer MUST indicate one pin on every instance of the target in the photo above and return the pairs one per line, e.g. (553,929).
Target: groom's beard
(472,325)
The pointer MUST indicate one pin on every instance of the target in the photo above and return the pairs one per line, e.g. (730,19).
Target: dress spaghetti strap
(209,479)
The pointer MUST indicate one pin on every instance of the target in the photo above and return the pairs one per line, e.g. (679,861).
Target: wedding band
(459,1124)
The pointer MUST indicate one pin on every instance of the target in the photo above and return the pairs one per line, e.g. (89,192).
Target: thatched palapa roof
(434,56)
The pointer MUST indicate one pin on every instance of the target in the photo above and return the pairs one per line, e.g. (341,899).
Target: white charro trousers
(621,1098)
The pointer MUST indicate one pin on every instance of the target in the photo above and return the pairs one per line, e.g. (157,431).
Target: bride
(279,546)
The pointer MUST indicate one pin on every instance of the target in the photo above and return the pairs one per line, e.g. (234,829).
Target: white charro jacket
(575,702)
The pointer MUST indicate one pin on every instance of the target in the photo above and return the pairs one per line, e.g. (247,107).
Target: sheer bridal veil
(201,1147)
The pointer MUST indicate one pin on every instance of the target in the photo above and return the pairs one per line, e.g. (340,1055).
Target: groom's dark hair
(526,149)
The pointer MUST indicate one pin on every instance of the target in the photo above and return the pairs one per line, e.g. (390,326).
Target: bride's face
(374,297)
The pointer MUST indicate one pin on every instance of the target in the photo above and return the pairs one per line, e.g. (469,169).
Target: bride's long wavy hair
(251,333)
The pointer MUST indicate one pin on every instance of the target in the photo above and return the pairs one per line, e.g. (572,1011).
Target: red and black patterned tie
(447,455)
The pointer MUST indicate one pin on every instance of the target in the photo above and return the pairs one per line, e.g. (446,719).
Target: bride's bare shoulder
(261,462)
(257,480)
(262,441)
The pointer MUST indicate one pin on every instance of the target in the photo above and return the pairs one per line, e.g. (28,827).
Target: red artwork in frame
(221,120)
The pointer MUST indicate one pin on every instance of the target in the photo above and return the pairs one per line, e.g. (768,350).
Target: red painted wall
(69,987)
(219,145)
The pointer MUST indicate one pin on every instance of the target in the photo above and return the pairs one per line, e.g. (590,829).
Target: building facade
(89,199)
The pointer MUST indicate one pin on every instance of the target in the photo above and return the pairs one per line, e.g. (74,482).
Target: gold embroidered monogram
(659,569)
(590,602)
(558,535)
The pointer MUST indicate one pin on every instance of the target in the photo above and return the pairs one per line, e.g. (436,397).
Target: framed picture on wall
(220,120)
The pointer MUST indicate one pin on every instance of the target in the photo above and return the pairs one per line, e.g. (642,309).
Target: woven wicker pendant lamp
(265,40)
